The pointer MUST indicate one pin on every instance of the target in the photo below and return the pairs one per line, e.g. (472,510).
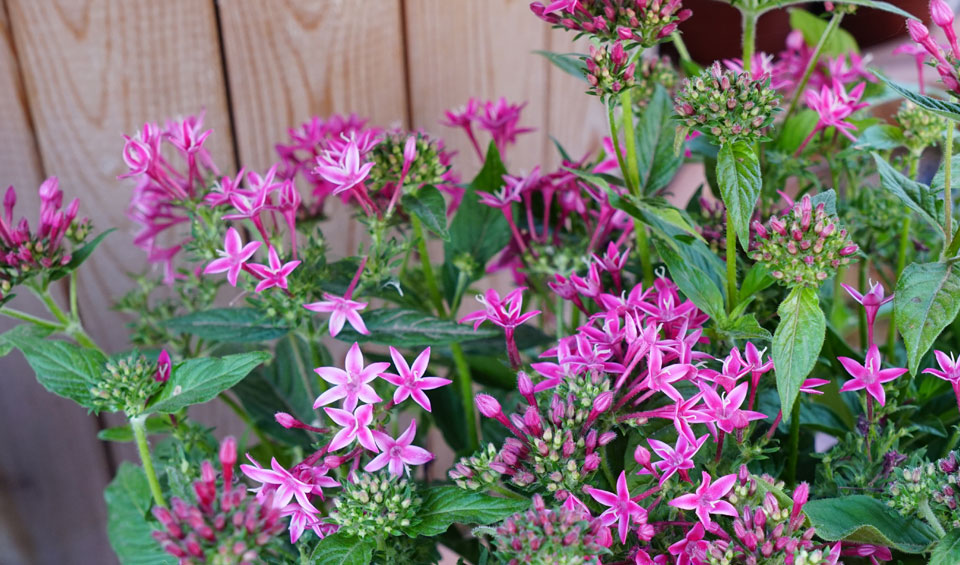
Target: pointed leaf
(942,107)
(196,381)
(880,137)
(446,505)
(657,162)
(570,63)
(918,197)
(694,284)
(341,549)
(235,325)
(79,256)
(926,300)
(129,522)
(8,337)
(863,519)
(797,342)
(62,368)
(738,174)
(412,328)
(428,205)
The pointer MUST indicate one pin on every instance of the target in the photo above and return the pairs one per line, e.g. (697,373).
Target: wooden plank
(55,469)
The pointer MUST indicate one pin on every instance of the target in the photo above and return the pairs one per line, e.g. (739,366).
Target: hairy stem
(465,384)
(927,514)
(947,189)
(615,137)
(731,242)
(793,451)
(833,24)
(749,38)
(13,313)
(632,172)
(139,426)
(432,287)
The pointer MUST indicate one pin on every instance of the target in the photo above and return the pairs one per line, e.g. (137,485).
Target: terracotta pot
(871,27)
(714,31)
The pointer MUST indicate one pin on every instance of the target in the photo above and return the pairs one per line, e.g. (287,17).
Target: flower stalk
(139,426)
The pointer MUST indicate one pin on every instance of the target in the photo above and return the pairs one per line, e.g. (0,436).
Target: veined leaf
(695,284)
(738,174)
(62,368)
(570,63)
(947,551)
(196,381)
(927,299)
(446,505)
(918,197)
(947,109)
(429,206)
(863,519)
(797,342)
(236,325)
(341,549)
(656,160)
(128,507)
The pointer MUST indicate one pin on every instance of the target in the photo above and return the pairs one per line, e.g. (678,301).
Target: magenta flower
(345,170)
(355,427)
(725,410)
(233,256)
(660,378)
(692,549)
(674,459)
(410,381)
(505,313)
(621,509)
(164,367)
(569,6)
(869,376)
(708,499)
(275,274)
(949,371)
(341,310)
(871,301)
(351,385)
(811,386)
(396,454)
(500,119)
(833,106)
(286,486)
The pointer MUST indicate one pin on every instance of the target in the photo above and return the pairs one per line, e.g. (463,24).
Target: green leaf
(947,551)
(124,434)
(79,256)
(655,212)
(926,301)
(947,109)
(429,206)
(738,174)
(797,342)
(196,381)
(446,505)
(795,130)
(412,328)
(860,518)
(656,160)
(570,63)
(939,179)
(695,284)
(341,549)
(128,526)
(880,137)
(757,279)
(743,327)
(840,41)
(8,337)
(829,200)
(62,368)
(918,197)
(236,325)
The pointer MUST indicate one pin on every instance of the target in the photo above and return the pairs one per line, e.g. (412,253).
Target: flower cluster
(653,71)
(563,533)
(727,105)
(805,247)
(499,118)
(641,22)
(608,70)
(128,382)
(372,505)
(833,105)
(946,61)
(921,128)
(25,253)
(929,485)
(222,524)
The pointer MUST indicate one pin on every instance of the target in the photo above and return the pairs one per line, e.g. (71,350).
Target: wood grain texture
(54,469)
(94,70)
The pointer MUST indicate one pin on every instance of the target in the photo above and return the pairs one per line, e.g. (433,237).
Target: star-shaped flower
(949,371)
(708,499)
(286,486)
(274,274)
(351,385)
(345,170)
(869,375)
(355,427)
(621,509)
(396,454)
(341,310)
(410,381)
(673,459)
(725,410)
(233,256)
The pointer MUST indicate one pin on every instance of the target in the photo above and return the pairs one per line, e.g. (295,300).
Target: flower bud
(488,406)
(941,13)
(163,367)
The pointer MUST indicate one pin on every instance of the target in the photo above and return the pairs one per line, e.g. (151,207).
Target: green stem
(793,451)
(731,242)
(139,426)
(749,38)
(616,148)
(861,313)
(629,137)
(507,492)
(927,514)
(74,309)
(465,384)
(808,72)
(947,189)
(681,47)
(13,313)
(643,248)
(51,305)
(432,287)
(606,470)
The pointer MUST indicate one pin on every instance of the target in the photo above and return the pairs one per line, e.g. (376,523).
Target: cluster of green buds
(475,472)
(415,158)
(653,71)
(933,486)
(376,504)
(558,536)
(805,247)
(641,22)
(921,128)
(608,70)
(127,382)
(726,105)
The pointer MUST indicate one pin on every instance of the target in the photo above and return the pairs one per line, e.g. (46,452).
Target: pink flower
(833,106)
(275,274)
(871,302)
(355,427)
(500,119)
(504,313)
(949,371)
(163,367)
(810,386)
(341,310)
(396,454)
(919,54)
(344,171)
(621,509)
(278,479)
(869,376)
(725,410)
(692,549)
(569,6)
(708,499)
(410,381)
(674,459)
(233,256)
(351,385)
(660,378)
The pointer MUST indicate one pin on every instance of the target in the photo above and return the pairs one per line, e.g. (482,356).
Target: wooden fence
(76,74)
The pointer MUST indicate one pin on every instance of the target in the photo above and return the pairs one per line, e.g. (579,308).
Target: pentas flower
(410,381)
(275,274)
(505,313)
(352,384)
(344,170)
(566,534)
(833,106)
(678,459)
(397,454)
(725,410)
(233,256)
(607,70)
(762,67)
(341,308)
(355,427)
(949,371)
(280,484)
(692,549)
(638,21)
(919,54)
(945,63)
(164,366)
(621,509)
(871,301)
(708,498)
(869,376)
(501,120)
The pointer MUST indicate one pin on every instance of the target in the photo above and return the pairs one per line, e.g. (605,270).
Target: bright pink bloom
(708,498)
(871,301)
(725,410)
(286,486)
(396,454)
(275,274)
(410,381)
(500,119)
(505,313)
(692,549)
(345,170)
(833,106)
(569,6)
(233,256)
(869,376)
(876,553)
(949,371)
(351,385)
(355,427)
(810,386)
(163,367)
(341,310)
(660,378)
(621,509)
(674,459)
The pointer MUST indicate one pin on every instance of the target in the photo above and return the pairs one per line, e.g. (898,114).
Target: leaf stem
(681,47)
(643,248)
(13,313)
(749,38)
(793,451)
(927,514)
(432,287)
(731,242)
(465,384)
(947,189)
(814,59)
(632,171)
(139,427)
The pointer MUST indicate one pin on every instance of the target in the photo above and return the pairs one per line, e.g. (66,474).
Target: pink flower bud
(228,457)
(285,420)
(488,405)
(941,13)
(163,367)
(848,250)
(918,32)
(642,456)
(602,402)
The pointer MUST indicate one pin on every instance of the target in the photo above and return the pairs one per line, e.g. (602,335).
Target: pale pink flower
(341,310)
(233,256)
(569,6)
(949,371)
(281,482)
(345,170)
(410,381)
(274,274)
(871,301)
(708,499)
(674,459)
(396,454)
(919,54)
(622,509)
(351,385)
(500,119)
(869,376)
(355,427)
